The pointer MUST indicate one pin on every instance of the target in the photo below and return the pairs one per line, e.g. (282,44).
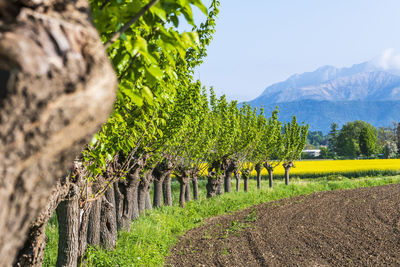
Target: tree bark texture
(229,166)
(237,177)
(211,187)
(188,197)
(83,230)
(245,175)
(270,177)
(126,195)
(259,168)
(220,185)
(287,166)
(287,170)
(93,232)
(68,229)
(56,88)
(195,185)
(182,175)
(32,253)
(270,170)
(160,172)
(108,222)
(167,194)
(144,191)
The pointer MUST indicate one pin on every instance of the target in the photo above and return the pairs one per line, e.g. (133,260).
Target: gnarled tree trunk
(68,229)
(93,232)
(167,194)
(195,185)
(237,177)
(229,166)
(32,253)
(56,88)
(108,222)
(287,167)
(270,170)
(160,172)
(188,197)
(144,191)
(211,186)
(259,168)
(245,176)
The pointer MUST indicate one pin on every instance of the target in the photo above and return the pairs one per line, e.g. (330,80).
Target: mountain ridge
(339,95)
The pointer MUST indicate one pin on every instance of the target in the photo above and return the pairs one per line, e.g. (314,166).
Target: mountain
(362,92)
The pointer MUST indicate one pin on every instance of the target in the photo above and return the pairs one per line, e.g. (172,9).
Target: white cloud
(388,60)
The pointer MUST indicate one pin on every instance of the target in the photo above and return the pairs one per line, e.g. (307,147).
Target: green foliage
(348,144)
(367,141)
(293,141)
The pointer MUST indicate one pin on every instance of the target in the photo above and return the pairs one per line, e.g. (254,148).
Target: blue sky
(261,42)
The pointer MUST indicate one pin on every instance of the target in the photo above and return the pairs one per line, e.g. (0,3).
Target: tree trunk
(126,197)
(31,254)
(220,186)
(258,170)
(148,199)
(270,176)
(157,192)
(211,187)
(167,194)
(93,233)
(83,231)
(108,222)
(245,183)
(68,229)
(160,173)
(287,169)
(144,192)
(195,185)
(228,181)
(187,192)
(237,176)
(56,88)
(182,191)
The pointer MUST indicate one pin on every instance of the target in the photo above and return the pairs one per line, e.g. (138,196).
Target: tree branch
(130,23)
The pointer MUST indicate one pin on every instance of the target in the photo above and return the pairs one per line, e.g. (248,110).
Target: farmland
(348,168)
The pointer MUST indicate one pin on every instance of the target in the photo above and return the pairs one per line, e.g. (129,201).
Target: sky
(261,42)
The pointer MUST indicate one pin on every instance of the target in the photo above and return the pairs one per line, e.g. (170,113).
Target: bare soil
(359,227)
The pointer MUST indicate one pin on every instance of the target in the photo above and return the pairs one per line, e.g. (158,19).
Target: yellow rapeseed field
(325,167)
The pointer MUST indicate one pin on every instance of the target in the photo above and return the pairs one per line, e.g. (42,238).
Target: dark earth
(359,227)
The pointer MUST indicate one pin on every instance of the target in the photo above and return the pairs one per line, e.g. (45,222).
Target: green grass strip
(153,235)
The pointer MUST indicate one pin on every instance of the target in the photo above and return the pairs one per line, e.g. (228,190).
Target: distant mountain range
(361,92)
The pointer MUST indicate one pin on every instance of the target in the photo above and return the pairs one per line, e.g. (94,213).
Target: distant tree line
(356,139)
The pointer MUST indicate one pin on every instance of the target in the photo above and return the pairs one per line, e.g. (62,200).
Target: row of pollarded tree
(200,134)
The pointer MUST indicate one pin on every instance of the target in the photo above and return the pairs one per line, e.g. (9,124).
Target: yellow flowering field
(328,167)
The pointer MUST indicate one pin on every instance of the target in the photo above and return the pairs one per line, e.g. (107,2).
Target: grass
(153,235)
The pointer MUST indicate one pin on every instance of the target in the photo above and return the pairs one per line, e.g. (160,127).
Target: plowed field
(337,228)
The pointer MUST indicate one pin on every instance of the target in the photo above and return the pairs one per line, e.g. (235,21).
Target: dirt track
(358,227)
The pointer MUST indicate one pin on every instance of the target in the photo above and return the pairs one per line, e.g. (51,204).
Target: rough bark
(68,229)
(167,194)
(182,175)
(245,176)
(144,191)
(211,186)
(259,168)
(56,88)
(287,170)
(83,230)
(270,170)
(93,233)
(148,205)
(188,197)
(32,253)
(237,177)
(160,172)
(195,185)
(126,195)
(229,166)
(287,166)
(108,222)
